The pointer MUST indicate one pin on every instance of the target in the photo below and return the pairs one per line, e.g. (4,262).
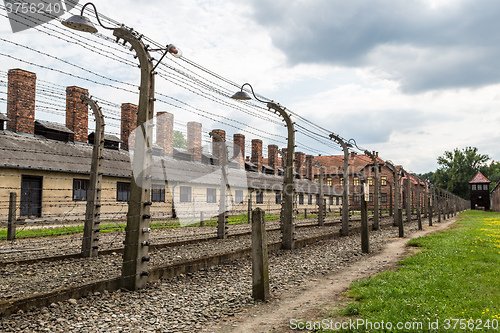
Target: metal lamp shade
(241,95)
(80,23)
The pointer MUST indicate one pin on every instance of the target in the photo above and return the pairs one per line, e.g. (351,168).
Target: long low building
(48,166)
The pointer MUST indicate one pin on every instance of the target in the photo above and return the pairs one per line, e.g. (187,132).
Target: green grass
(454,276)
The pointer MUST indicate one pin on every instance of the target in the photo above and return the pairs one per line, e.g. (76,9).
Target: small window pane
(238,196)
(278,198)
(211,195)
(259,197)
(158,193)
(122,191)
(80,188)
(185,194)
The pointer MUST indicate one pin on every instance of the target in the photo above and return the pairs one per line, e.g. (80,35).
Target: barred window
(158,193)
(259,197)
(185,194)
(80,188)
(301,199)
(211,195)
(278,198)
(238,196)
(122,191)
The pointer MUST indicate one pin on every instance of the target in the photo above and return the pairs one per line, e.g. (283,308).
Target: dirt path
(317,295)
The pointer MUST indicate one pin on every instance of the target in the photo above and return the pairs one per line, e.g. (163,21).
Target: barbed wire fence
(64,215)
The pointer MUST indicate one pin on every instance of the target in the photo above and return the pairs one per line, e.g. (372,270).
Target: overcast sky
(410,79)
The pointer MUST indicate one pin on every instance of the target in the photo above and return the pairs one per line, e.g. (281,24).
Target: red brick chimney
(257,153)
(239,149)
(77,113)
(129,123)
(272,157)
(309,166)
(217,145)
(194,140)
(299,162)
(165,132)
(21,101)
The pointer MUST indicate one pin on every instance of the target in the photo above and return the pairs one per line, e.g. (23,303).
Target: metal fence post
(136,247)
(376,192)
(260,263)
(90,243)
(365,237)
(345,194)
(11,224)
(321,207)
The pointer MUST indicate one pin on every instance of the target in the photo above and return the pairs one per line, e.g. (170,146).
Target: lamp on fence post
(221,224)
(376,208)
(135,254)
(288,240)
(90,247)
(345,195)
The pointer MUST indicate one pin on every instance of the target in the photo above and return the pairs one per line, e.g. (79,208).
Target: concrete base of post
(260,262)
(400,223)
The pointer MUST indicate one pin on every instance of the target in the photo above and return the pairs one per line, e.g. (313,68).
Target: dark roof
(54,126)
(108,137)
(479,178)
(3,117)
(38,153)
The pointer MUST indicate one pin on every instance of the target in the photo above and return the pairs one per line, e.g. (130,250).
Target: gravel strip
(30,248)
(194,301)
(22,280)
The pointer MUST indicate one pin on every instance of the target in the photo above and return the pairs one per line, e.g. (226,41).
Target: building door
(31,196)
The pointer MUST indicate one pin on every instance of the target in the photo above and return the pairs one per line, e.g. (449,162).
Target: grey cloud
(456,45)
(373,127)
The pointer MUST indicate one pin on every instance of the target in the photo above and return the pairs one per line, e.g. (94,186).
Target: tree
(429,176)
(179,140)
(492,172)
(457,168)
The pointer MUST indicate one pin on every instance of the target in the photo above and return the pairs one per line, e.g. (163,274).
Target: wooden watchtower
(480,192)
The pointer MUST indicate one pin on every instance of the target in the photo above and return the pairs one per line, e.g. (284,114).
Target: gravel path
(189,302)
